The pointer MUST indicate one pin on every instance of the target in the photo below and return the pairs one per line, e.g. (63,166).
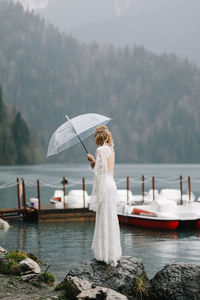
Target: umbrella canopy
(73,131)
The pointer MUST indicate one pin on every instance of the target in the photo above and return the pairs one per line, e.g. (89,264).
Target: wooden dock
(48,213)
(45,212)
(12,213)
(52,214)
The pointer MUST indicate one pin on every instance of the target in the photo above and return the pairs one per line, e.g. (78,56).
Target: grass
(11,264)
(140,287)
(59,287)
(17,255)
(10,268)
(33,257)
(48,278)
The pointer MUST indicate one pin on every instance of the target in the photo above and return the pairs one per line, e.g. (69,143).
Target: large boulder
(100,293)
(29,266)
(3,254)
(176,281)
(4,251)
(75,285)
(121,278)
(77,288)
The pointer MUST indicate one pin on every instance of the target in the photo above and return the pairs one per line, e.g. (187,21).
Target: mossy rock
(48,278)
(33,257)
(17,255)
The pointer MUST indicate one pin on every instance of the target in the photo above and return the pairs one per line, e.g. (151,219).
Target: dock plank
(64,215)
(48,213)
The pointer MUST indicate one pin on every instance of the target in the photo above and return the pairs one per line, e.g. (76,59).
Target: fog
(170,26)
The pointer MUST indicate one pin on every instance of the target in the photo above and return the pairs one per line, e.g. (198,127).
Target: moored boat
(74,199)
(165,215)
(153,215)
(149,222)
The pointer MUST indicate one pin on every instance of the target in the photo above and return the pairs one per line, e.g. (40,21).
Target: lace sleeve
(100,169)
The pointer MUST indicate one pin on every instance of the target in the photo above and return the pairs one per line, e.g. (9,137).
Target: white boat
(74,199)
(77,199)
(164,195)
(58,197)
(129,198)
(175,195)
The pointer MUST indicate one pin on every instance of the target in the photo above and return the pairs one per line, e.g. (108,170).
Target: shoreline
(24,277)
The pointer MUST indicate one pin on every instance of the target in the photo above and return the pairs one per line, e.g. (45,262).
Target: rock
(4,251)
(27,266)
(99,293)
(75,285)
(3,255)
(179,281)
(4,225)
(29,277)
(120,278)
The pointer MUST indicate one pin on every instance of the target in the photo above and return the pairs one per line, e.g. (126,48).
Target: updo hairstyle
(102,135)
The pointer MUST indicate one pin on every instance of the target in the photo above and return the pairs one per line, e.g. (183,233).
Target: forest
(18,144)
(154,100)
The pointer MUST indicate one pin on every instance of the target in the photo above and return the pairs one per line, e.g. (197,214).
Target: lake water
(64,245)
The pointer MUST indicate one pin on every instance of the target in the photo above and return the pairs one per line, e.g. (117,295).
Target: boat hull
(149,222)
(197,224)
(189,224)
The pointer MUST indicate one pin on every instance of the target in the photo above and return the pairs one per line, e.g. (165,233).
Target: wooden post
(189,187)
(23,194)
(83,183)
(64,190)
(153,187)
(181,189)
(127,188)
(143,189)
(18,193)
(38,194)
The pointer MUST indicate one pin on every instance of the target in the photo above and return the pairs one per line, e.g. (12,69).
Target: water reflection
(64,245)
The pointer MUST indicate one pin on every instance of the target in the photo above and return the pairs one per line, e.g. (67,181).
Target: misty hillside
(154,100)
(159,25)
(18,143)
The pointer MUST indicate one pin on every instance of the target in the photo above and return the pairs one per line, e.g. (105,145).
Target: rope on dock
(70,183)
(118,181)
(170,181)
(146,180)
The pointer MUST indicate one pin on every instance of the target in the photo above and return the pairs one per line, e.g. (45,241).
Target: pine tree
(21,137)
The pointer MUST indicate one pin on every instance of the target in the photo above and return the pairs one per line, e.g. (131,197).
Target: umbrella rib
(77,134)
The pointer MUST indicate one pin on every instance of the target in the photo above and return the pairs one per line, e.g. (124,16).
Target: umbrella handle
(77,134)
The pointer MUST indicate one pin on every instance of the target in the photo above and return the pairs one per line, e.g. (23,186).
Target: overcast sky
(119,5)
(171,26)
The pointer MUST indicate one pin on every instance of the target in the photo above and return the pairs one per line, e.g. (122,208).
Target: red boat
(149,222)
(185,217)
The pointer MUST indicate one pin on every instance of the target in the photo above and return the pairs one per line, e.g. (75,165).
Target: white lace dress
(106,241)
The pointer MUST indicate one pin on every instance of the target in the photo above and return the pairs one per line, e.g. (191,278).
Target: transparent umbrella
(74,131)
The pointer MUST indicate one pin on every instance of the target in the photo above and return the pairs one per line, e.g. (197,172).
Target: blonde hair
(102,135)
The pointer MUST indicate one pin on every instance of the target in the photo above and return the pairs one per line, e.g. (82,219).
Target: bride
(106,241)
